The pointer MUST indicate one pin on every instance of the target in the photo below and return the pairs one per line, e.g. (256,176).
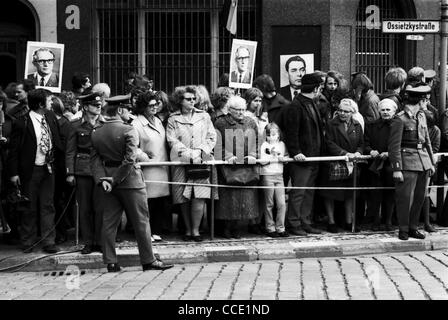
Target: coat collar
(198,115)
(145,122)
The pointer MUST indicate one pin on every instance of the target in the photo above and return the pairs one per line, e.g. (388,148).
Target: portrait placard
(44,64)
(242,63)
(285,76)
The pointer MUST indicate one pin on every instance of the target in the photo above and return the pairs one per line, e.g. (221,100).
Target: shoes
(87,249)
(51,248)
(254,229)
(156,238)
(96,248)
(332,228)
(156,265)
(60,239)
(403,235)
(388,227)
(348,227)
(27,249)
(429,228)
(226,234)
(197,238)
(298,232)
(113,267)
(309,229)
(416,234)
(187,237)
(272,234)
(236,234)
(283,234)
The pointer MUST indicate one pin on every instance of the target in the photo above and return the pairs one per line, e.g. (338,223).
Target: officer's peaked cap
(419,91)
(92,98)
(123,100)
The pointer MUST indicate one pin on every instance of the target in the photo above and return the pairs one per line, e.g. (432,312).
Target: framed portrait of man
(292,68)
(44,63)
(242,63)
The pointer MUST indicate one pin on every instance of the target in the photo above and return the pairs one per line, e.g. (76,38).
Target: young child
(273,150)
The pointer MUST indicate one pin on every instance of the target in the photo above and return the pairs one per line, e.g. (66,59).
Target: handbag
(241,175)
(338,171)
(197,171)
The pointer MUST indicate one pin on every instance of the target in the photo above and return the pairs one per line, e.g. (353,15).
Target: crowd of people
(81,149)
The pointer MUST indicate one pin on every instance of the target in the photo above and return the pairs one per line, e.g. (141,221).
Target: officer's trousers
(134,202)
(409,197)
(89,196)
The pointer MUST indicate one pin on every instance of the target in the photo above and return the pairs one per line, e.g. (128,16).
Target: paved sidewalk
(249,248)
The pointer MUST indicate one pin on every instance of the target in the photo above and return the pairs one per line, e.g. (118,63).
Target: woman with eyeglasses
(344,138)
(152,147)
(191,137)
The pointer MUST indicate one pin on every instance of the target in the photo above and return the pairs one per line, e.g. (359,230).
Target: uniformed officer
(114,167)
(77,160)
(412,161)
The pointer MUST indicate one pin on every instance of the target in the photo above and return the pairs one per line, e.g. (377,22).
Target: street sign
(411,26)
(415,37)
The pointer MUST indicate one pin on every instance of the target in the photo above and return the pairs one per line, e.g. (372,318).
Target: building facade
(185,41)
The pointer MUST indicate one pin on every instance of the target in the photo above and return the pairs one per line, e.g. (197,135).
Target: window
(178,42)
(376,52)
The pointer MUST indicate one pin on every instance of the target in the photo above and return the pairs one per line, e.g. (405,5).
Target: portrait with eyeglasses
(242,63)
(44,65)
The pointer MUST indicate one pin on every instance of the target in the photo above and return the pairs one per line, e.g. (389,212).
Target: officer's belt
(84,150)
(111,163)
(412,145)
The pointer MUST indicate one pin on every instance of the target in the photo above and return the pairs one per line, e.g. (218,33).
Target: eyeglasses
(242,58)
(49,61)
(238,110)
(190,99)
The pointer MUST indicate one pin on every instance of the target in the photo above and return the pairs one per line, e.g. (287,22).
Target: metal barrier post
(440,191)
(212,203)
(355,169)
(76,223)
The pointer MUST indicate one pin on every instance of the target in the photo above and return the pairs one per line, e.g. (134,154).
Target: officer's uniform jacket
(409,143)
(79,145)
(114,153)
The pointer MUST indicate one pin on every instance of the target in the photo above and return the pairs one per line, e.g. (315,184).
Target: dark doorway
(9,70)
(17,26)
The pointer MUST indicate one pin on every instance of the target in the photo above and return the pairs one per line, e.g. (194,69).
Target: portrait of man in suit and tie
(44,66)
(243,57)
(294,67)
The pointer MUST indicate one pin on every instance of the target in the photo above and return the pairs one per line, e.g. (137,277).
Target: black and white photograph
(220,159)
(44,65)
(242,63)
(292,69)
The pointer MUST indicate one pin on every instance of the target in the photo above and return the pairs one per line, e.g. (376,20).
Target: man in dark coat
(380,171)
(411,156)
(304,137)
(35,139)
(114,168)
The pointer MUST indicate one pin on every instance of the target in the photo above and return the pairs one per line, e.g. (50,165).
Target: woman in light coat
(191,137)
(152,148)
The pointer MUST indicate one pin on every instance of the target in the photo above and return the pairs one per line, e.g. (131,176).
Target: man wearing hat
(79,174)
(304,137)
(412,162)
(113,161)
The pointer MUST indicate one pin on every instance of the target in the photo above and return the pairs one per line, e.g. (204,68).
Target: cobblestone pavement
(401,276)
